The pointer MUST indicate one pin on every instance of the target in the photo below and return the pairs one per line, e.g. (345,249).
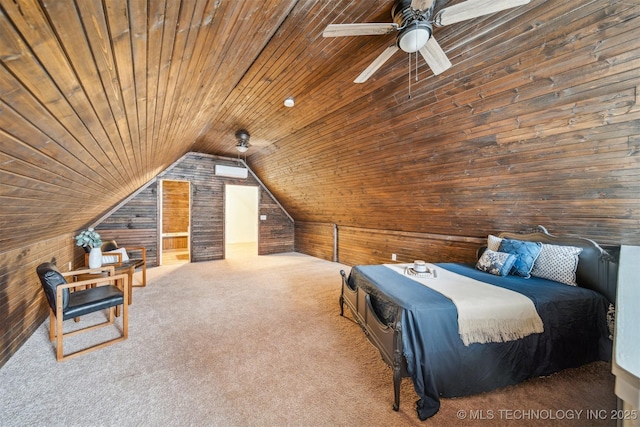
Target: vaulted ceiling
(98,97)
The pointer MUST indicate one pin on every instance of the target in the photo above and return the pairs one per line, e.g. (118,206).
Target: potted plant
(90,238)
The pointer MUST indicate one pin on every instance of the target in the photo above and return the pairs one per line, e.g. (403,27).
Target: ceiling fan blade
(472,9)
(377,63)
(421,4)
(435,56)
(371,29)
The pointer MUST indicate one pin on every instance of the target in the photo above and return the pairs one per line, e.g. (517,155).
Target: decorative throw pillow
(110,259)
(493,242)
(525,252)
(498,263)
(558,263)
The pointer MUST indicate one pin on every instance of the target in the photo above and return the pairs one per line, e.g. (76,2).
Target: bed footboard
(387,338)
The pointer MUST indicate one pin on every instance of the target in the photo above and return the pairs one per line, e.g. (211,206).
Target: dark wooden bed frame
(597,270)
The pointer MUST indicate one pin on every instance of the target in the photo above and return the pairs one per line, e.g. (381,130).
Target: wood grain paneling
(23,305)
(368,246)
(98,97)
(316,239)
(207,205)
(535,125)
(135,224)
(275,234)
(353,245)
(175,243)
(133,237)
(175,207)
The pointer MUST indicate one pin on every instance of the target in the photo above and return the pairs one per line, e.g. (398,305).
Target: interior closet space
(176,214)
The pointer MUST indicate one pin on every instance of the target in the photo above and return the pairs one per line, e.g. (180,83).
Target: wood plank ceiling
(99,96)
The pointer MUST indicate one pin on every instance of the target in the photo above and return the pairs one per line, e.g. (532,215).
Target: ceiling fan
(242,136)
(413,22)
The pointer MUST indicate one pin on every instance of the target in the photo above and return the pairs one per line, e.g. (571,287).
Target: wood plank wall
(357,245)
(174,242)
(175,214)
(23,305)
(275,234)
(537,122)
(367,246)
(316,239)
(135,224)
(175,206)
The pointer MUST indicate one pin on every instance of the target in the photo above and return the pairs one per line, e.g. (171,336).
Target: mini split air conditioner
(231,171)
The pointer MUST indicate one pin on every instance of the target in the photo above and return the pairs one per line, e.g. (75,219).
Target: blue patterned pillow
(526,254)
(498,263)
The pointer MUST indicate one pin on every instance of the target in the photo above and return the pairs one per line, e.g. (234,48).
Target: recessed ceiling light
(289,102)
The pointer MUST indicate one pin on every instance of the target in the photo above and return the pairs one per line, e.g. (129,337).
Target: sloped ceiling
(97,97)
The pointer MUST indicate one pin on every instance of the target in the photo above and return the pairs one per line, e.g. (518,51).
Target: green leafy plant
(89,238)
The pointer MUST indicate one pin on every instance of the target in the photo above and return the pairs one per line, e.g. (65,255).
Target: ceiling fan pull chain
(409,97)
(416,65)
(417,48)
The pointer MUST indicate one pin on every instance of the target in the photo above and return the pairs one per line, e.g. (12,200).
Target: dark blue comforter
(575,333)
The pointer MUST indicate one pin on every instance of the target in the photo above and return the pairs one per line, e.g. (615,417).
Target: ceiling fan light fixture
(413,38)
(242,147)
(243,140)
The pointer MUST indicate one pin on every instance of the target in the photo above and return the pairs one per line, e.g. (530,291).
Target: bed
(417,332)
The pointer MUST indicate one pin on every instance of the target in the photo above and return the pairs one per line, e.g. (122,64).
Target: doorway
(241,220)
(175,221)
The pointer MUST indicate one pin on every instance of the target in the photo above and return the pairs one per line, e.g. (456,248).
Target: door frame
(161,214)
(224,209)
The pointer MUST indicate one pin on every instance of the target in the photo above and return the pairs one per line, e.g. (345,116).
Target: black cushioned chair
(75,299)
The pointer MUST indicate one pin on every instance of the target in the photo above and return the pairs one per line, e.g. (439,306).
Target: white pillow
(558,263)
(493,242)
(106,259)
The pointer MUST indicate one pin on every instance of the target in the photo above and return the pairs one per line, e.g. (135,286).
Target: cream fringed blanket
(486,313)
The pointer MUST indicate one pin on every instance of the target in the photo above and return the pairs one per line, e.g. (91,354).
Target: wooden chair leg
(130,287)
(52,325)
(59,336)
(143,283)
(125,320)
(129,290)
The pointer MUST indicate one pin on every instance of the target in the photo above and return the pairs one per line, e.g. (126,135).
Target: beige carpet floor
(258,341)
